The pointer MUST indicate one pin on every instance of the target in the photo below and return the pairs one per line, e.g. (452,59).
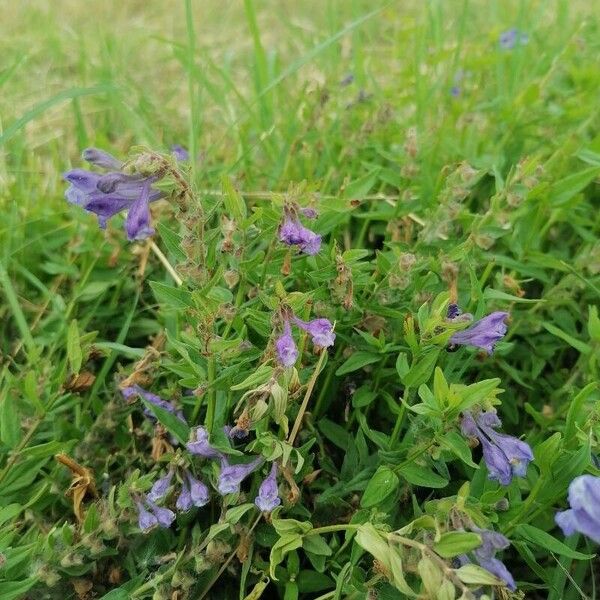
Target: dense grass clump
(299,301)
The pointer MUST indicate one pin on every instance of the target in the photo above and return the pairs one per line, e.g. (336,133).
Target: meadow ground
(452,152)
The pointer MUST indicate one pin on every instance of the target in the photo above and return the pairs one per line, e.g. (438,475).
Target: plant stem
(333,528)
(309,389)
(212,394)
(400,419)
(166,264)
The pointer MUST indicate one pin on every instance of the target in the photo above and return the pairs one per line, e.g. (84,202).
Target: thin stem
(334,528)
(166,264)
(212,394)
(309,389)
(327,382)
(400,419)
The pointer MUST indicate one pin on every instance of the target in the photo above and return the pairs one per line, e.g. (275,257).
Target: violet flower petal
(285,346)
(268,494)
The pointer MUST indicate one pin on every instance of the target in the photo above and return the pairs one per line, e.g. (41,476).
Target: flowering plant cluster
(353,354)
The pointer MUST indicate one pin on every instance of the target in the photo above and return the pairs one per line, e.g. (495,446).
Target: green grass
(500,182)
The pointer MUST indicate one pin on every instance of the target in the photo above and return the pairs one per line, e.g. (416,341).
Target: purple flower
(184,500)
(491,542)
(146,520)
(100,158)
(483,333)
(293,233)
(455,91)
(111,193)
(200,445)
(164,516)
(511,38)
(268,497)
(180,153)
(583,516)
(309,212)
(150,515)
(505,455)
(453,311)
(231,476)
(198,491)
(287,353)
(320,330)
(235,432)
(161,487)
(136,390)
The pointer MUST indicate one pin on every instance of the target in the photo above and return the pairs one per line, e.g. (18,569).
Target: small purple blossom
(287,352)
(161,487)
(146,520)
(105,195)
(200,444)
(583,516)
(136,390)
(309,212)
(235,432)
(198,491)
(184,500)
(231,476)
(483,333)
(505,455)
(100,158)
(150,515)
(164,516)
(453,311)
(455,91)
(491,543)
(511,38)
(268,495)
(180,153)
(293,233)
(320,330)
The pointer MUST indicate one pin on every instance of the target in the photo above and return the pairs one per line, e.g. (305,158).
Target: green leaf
(457,444)
(575,343)
(421,370)
(548,542)
(10,425)
(402,365)
(576,413)
(356,361)
(454,543)
(565,189)
(383,483)
(285,544)
(14,590)
(492,294)
(422,476)
(173,424)
(476,575)
(234,203)
(74,353)
(172,242)
(233,515)
(316,544)
(173,297)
